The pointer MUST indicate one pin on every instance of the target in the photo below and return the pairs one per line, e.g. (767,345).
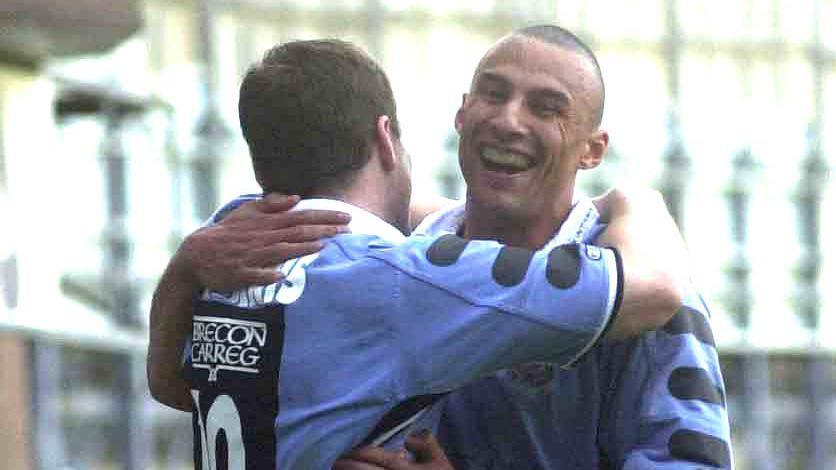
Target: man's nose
(509,119)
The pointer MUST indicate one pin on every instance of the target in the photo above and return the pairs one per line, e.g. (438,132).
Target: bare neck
(486,224)
(371,191)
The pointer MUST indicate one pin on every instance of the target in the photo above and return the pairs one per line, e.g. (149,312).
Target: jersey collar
(362,222)
(575,229)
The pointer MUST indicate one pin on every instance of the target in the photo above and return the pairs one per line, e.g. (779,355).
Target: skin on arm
(169,327)
(241,250)
(654,259)
(245,247)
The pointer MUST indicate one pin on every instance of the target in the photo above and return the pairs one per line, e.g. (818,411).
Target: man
(529,122)
(371,319)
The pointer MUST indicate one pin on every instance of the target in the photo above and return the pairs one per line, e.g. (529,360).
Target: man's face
(525,126)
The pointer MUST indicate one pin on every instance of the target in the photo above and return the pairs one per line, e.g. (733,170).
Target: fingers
(272,256)
(602,204)
(261,277)
(345,464)
(255,209)
(630,201)
(272,212)
(274,248)
(376,457)
(425,447)
(247,245)
(249,218)
(239,278)
(303,233)
(276,202)
(308,217)
(611,204)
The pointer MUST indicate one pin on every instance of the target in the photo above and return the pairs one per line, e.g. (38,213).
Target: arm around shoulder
(654,260)
(171,312)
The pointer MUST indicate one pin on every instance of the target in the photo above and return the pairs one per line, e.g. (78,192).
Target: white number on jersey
(222,415)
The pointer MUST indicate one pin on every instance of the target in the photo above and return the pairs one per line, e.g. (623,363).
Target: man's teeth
(503,158)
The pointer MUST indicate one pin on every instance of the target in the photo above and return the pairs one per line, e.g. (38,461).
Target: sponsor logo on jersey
(227,344)
(233,370)
(284,292)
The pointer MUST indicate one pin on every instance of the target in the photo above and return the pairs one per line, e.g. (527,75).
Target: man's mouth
(506,161)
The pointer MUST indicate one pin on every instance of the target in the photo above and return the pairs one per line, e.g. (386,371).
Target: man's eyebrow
(562,98)
(491,77)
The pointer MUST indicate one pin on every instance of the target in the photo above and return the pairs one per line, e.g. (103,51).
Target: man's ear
(458,120)
(596,147)
(386,143)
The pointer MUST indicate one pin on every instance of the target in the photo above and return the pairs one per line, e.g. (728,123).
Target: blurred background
(118,135)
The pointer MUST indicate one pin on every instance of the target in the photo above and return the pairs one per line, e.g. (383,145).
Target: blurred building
(118,134)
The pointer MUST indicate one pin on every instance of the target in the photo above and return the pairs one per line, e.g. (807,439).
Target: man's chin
(499,206)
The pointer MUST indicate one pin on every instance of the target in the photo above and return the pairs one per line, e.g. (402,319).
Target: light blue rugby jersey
(656,402)
(294,375)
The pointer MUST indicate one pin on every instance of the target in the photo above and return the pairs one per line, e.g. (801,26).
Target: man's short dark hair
(564,38)
(308,111)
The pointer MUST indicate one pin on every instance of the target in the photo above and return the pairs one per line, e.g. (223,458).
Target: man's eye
(493,95)
(546,110)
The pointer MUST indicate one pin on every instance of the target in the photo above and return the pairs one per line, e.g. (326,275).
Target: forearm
(651,296)
(171,311)
(654,263)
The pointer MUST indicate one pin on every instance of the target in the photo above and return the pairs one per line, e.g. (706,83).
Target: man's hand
(243,249)
(641,214)
(655,259)
(427,451)
(246,246)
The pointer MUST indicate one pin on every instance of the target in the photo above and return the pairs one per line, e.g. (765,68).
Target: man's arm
(169,328)
(667,408)
(245,248)
(256,236)
(666,404)
(654,259)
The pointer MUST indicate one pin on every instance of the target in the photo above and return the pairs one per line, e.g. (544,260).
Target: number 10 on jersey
(222,416)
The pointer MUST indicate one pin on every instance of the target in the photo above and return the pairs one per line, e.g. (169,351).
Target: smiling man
(529,123)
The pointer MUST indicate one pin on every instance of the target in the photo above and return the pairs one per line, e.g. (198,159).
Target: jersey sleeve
(668,410)
(468,308)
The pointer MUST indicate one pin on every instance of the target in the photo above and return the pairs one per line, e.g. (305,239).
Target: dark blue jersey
(294,374)
(656,402)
